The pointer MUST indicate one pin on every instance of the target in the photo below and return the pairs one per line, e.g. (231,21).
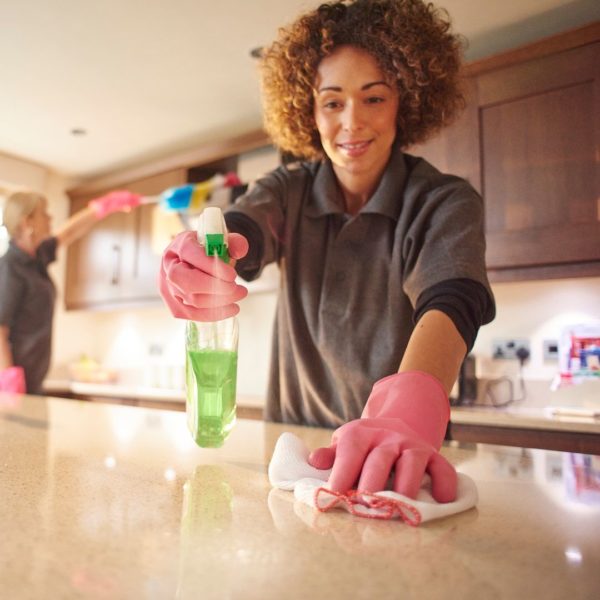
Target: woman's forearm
(76,226)
(435,347)
(6,358)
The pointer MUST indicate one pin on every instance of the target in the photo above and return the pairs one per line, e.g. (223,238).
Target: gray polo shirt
(27,298)
(349,284)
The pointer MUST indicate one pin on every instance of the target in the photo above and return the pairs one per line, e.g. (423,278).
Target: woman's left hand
(401,430)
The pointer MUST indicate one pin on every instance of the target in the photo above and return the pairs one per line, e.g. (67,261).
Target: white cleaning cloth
(289,470)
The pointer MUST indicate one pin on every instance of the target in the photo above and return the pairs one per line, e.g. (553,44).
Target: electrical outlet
(507,348)
(550,349)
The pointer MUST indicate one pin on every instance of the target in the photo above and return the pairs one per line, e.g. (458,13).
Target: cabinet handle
(116,265)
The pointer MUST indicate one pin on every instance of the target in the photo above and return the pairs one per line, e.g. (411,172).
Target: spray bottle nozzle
(216,246)
(212,233)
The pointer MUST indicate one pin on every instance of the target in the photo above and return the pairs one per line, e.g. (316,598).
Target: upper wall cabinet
(529,141)
(116,264)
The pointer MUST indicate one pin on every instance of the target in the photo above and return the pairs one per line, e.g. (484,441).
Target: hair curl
(412,43)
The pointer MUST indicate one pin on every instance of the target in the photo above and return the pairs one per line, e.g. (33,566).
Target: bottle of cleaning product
(211,348)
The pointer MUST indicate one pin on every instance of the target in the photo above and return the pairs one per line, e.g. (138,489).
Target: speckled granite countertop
(107,501)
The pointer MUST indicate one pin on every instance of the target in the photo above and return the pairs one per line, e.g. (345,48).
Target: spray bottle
(211,354)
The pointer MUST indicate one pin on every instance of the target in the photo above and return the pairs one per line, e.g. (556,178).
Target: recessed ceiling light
(78,131)
(256,52)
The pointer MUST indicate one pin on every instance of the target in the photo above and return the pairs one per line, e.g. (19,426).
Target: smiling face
(355,113)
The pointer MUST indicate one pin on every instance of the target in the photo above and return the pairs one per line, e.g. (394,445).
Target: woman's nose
(352,117)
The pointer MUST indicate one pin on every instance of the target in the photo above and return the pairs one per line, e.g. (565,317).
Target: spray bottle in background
(211,349)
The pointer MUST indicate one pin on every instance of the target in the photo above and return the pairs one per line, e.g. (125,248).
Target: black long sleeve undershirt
(467,302)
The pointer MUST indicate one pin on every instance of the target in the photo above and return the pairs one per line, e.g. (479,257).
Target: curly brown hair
(412,43)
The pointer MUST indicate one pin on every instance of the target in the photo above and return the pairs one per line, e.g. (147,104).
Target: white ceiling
(149,77)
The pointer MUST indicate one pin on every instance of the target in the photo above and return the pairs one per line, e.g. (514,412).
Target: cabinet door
(115,263)
(140,280)
(539,131)
(96,263)
(455,149)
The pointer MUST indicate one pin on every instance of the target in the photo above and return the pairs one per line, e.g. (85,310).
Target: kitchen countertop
(108,501)
(532,414)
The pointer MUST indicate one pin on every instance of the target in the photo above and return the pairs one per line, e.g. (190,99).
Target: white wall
(537,311)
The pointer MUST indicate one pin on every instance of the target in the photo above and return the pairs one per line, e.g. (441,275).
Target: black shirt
(27,296)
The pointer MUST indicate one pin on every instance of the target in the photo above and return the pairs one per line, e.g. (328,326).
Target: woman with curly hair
(383,279)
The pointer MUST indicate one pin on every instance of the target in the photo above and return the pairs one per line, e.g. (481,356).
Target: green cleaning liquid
(211,377)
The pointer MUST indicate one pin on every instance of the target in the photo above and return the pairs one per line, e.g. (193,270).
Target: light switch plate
(550,349)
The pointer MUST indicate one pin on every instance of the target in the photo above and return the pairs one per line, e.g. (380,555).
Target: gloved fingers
(410,468)
(377,467)
(444,480)
(187,281)
(180,310)
(350,455)
(212,300)
(186,249)
(12,379)
(119,200)
(191,313)
(237,245)
(322,458)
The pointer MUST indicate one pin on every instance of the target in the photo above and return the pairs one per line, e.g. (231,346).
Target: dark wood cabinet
(529,141)
(115,263)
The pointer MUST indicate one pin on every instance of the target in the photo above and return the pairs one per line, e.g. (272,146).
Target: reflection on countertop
(114,501)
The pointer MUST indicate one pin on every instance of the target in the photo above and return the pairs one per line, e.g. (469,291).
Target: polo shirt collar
(326,197)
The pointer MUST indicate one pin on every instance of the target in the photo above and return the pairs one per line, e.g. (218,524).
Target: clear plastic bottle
(211,355)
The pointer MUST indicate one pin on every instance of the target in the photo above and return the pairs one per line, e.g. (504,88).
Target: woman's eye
(331,104)
(375,99)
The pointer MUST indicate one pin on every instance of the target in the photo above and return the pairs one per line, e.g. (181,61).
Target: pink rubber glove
(120,200)
(12,379)
(197,287)
(402,428)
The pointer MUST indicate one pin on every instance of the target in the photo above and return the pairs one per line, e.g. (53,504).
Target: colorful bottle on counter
(211,349)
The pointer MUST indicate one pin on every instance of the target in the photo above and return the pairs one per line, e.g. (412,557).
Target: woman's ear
(26,226)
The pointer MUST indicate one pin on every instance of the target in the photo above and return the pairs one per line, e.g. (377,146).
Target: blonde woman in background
(27,293)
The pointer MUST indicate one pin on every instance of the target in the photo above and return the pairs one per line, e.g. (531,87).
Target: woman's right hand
(197,287)
(12,380)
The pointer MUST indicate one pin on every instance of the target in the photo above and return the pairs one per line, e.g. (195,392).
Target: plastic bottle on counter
(211,354)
